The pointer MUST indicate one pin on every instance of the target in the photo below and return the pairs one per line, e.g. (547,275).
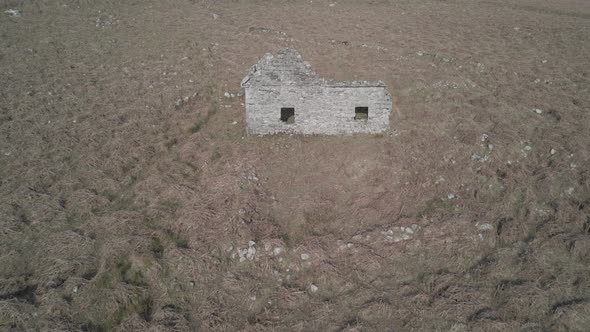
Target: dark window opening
(361,113)
(288,115)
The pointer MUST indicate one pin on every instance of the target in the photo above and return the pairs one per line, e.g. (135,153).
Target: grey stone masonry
(284,95)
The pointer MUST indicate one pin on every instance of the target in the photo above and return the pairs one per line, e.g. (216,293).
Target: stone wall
(327,110)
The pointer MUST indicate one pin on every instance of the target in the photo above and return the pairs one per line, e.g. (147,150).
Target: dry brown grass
(126,191)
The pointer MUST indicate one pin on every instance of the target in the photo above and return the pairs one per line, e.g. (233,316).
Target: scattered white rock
(528,148)
(277,251)
(409,230)
(242,254)
(538,111)
(105,21)
(251,243)
(215,16)
(357,237)
(252,176)
(569,190)
(516,28)
(332,5)
(458,327)
(439,180)
(313,288)
(13,12)
(75,290)
(485,227)
(226,95)
(251,252)
(252,298)
(304,257)
(553,151)
(349,245)
(231,95)
(451,196)
(544,61)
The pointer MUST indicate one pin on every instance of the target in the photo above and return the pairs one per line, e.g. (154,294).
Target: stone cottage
(284,95)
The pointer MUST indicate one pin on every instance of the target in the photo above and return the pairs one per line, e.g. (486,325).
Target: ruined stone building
(284,95)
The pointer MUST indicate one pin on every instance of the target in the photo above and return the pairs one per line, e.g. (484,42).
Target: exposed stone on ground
(399,234)
(480,158)
(357,237)
(460,327)
(13,12)
(410,230)
(105,21)
(305,257)
(485,227)
(313,288)
(247,253)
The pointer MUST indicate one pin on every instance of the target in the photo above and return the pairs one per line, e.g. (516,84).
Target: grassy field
(131,198)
